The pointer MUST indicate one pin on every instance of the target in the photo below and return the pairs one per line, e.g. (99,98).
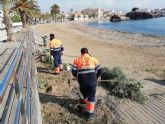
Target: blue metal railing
(28,86)
(6,78)
(20,105)
(20,98)
(22,75)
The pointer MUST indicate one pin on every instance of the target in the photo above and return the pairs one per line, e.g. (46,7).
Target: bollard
(44,40)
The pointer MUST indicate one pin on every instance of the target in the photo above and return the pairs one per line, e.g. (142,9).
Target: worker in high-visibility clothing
(56,50)
(87,69)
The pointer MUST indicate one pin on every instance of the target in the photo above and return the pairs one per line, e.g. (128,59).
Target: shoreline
(110,48)
(113,30)
(141,39)
(146,34)
(144,64)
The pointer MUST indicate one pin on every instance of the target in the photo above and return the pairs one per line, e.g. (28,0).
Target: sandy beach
(135,53)
(141,57)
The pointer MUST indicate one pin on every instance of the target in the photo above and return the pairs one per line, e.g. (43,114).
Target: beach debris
(121,86)
(49,89)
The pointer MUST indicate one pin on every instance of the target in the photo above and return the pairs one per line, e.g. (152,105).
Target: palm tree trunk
(27,21)
(55,18)
(23,18)
(8,23)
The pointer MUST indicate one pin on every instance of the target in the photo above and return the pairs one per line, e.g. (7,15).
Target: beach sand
(132,52)
(141,57)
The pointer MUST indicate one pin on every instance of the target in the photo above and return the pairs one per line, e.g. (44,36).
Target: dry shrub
(46,58)
(121,86)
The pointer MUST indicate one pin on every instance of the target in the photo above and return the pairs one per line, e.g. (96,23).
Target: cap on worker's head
(84,50)
(52,36)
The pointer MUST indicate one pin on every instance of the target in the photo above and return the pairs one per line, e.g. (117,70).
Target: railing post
(16,85)
(18,91)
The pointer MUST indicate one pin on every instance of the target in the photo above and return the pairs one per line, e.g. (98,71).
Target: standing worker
(87,69)
(56,50)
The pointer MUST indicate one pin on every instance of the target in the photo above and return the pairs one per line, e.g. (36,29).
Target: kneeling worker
(56,50)
(87,69)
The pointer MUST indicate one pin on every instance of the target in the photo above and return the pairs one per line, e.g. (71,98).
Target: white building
(119,12)
(143,10)
(80,17)
(100,13)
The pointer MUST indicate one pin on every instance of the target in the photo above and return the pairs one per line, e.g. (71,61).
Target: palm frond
(26,9)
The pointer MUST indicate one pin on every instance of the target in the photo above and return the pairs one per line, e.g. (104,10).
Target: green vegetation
(27,10)
(115,73)
(5,5)
(72,17)
(92,15)
(55,10)
(45,58)
(15,18)
(121,86)
(43,84)
(45,16)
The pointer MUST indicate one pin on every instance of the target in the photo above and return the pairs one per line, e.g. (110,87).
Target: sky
(124,5)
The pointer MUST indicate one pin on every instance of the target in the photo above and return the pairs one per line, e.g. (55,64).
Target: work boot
(88,115)
(83,101)
(56,70)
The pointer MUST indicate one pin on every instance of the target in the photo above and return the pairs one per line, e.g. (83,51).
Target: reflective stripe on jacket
(56,49)
(85,62)
(85,65)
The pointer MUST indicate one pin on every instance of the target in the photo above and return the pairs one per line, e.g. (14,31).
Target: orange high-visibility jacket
(85,65)
(85,62)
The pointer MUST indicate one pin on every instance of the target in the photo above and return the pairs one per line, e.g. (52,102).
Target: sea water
(155,26)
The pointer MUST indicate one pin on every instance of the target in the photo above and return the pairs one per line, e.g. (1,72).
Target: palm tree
(55,10)
(26,9)
(7,20)
(47,16)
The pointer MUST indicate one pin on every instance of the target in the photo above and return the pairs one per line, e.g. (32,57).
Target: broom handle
(104,80)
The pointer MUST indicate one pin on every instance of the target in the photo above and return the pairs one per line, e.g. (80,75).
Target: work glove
(68,68)
(52,58)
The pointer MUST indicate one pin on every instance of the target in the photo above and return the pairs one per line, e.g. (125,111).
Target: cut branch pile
(121,86)
(46,58)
